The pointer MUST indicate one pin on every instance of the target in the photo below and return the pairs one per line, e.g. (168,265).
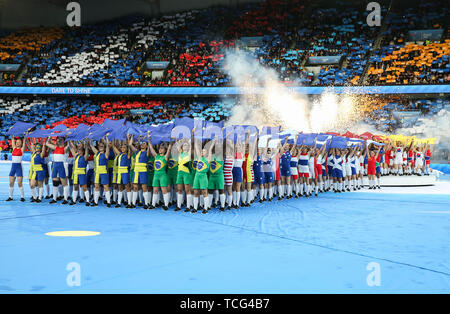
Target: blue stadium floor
(318,245)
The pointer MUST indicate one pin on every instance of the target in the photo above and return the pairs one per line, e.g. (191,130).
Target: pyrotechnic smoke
(277,105)
(436,126)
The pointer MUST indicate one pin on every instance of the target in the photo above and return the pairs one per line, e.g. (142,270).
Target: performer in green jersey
(160,178)
(201,175)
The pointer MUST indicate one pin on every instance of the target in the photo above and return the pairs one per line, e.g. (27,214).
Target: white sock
(55,193)
(211,197)
(119,197)
(134,197)
(166,198)
(146,199)
(206,202)
(155,199)
(108,197)
(129,197)
(216,196)
(86,195)
(41,193)
(280,190)
(195,202)
(66,192)
(229,199)
(244,196)
(189,200)
(74,195)
(179,200)
(262,193)
(96,196)
(222,200)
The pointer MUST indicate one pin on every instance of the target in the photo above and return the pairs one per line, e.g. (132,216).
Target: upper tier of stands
(193,43)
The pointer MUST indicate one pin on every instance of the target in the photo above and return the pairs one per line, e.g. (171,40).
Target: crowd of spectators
(193,43)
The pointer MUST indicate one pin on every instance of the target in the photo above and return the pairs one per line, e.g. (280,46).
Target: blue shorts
(90,176)
(353,171)
(268,177)
(110,175)
(259,178)
(285,171)
(140,177)
(378,169)
(237,174)
(16,170)
(102,178)
(123,178)
(70,170)
(337,173)
(80,179)
(330,171)
(38,175)
(58,170)
(46,172)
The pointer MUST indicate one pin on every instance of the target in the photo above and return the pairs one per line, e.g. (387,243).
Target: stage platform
(410,180)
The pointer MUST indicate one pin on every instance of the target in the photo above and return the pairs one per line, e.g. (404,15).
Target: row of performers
(187,173)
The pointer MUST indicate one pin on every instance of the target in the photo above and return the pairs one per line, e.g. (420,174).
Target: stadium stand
(286,35)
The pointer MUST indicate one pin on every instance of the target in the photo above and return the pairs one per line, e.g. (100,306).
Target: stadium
(224,146)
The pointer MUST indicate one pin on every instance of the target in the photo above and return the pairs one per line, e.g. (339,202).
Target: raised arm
(295,144)
(211,148)
(150,149)
(49,145)
(93,148)
(169,149)
(115,149)
(72,148)
(107,149)
(86,151)
(130,143)
(378,152)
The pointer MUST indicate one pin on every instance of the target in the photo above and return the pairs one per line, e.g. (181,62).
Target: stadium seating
(114,53)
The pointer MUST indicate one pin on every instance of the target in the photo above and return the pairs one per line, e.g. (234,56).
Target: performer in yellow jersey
(79,173)
(37,174)
(140,175)
(122,173)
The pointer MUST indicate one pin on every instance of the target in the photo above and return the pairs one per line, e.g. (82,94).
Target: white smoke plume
(436,126)
(275,104)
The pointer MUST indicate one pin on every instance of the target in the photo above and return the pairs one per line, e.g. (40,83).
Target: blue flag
(40,133)
(113,124)
(79,133)
(20,128)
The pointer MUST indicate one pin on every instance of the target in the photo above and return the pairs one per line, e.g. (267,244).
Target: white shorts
(348,170)
(312,172)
